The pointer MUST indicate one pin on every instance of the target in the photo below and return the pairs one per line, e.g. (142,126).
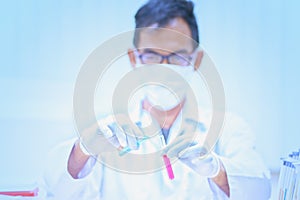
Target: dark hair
(162,12)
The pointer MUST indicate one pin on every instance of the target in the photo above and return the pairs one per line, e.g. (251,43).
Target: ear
(131,56)
(198,60)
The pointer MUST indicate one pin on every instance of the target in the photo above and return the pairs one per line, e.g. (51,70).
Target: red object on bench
(30,193)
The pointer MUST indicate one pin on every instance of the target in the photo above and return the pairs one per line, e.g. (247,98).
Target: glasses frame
(189,60)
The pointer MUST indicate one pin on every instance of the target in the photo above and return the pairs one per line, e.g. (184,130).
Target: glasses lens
(178,59)
(148,58)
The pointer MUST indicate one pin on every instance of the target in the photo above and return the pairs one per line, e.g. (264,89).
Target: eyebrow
(181,51)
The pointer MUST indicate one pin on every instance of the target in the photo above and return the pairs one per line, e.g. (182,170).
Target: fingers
(131,139)
(121,132)
(124,121)
(181,143)
(188,127)
(195,161)
(193,152)
(114,141)
(95,141)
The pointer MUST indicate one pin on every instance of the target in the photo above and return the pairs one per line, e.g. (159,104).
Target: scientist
(234,170)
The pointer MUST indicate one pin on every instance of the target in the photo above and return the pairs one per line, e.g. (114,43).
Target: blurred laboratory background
(254,44)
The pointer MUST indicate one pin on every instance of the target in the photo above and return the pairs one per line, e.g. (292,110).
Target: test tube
(29,193)
(127,149)
(168,167)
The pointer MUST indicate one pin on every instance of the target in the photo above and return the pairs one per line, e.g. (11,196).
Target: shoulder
(229,121)
(236,125)
(228,126)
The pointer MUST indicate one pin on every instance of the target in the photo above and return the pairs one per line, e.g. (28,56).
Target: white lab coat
(247,175)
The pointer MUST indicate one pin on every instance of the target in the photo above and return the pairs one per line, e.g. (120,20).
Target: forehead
(176,36)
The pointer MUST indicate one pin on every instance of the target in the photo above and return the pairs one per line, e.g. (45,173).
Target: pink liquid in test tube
(169,167)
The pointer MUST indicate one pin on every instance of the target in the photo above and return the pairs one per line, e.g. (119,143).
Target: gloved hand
(119,131)
(194,155)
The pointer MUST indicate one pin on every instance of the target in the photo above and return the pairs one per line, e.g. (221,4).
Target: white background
(43,44)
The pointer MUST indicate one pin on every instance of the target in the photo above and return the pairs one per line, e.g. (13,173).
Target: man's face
(174,38)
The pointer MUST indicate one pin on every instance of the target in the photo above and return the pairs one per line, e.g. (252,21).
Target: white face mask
(167,98)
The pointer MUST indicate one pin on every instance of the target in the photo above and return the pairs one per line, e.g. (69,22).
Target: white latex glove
(120,133)
(194,155)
